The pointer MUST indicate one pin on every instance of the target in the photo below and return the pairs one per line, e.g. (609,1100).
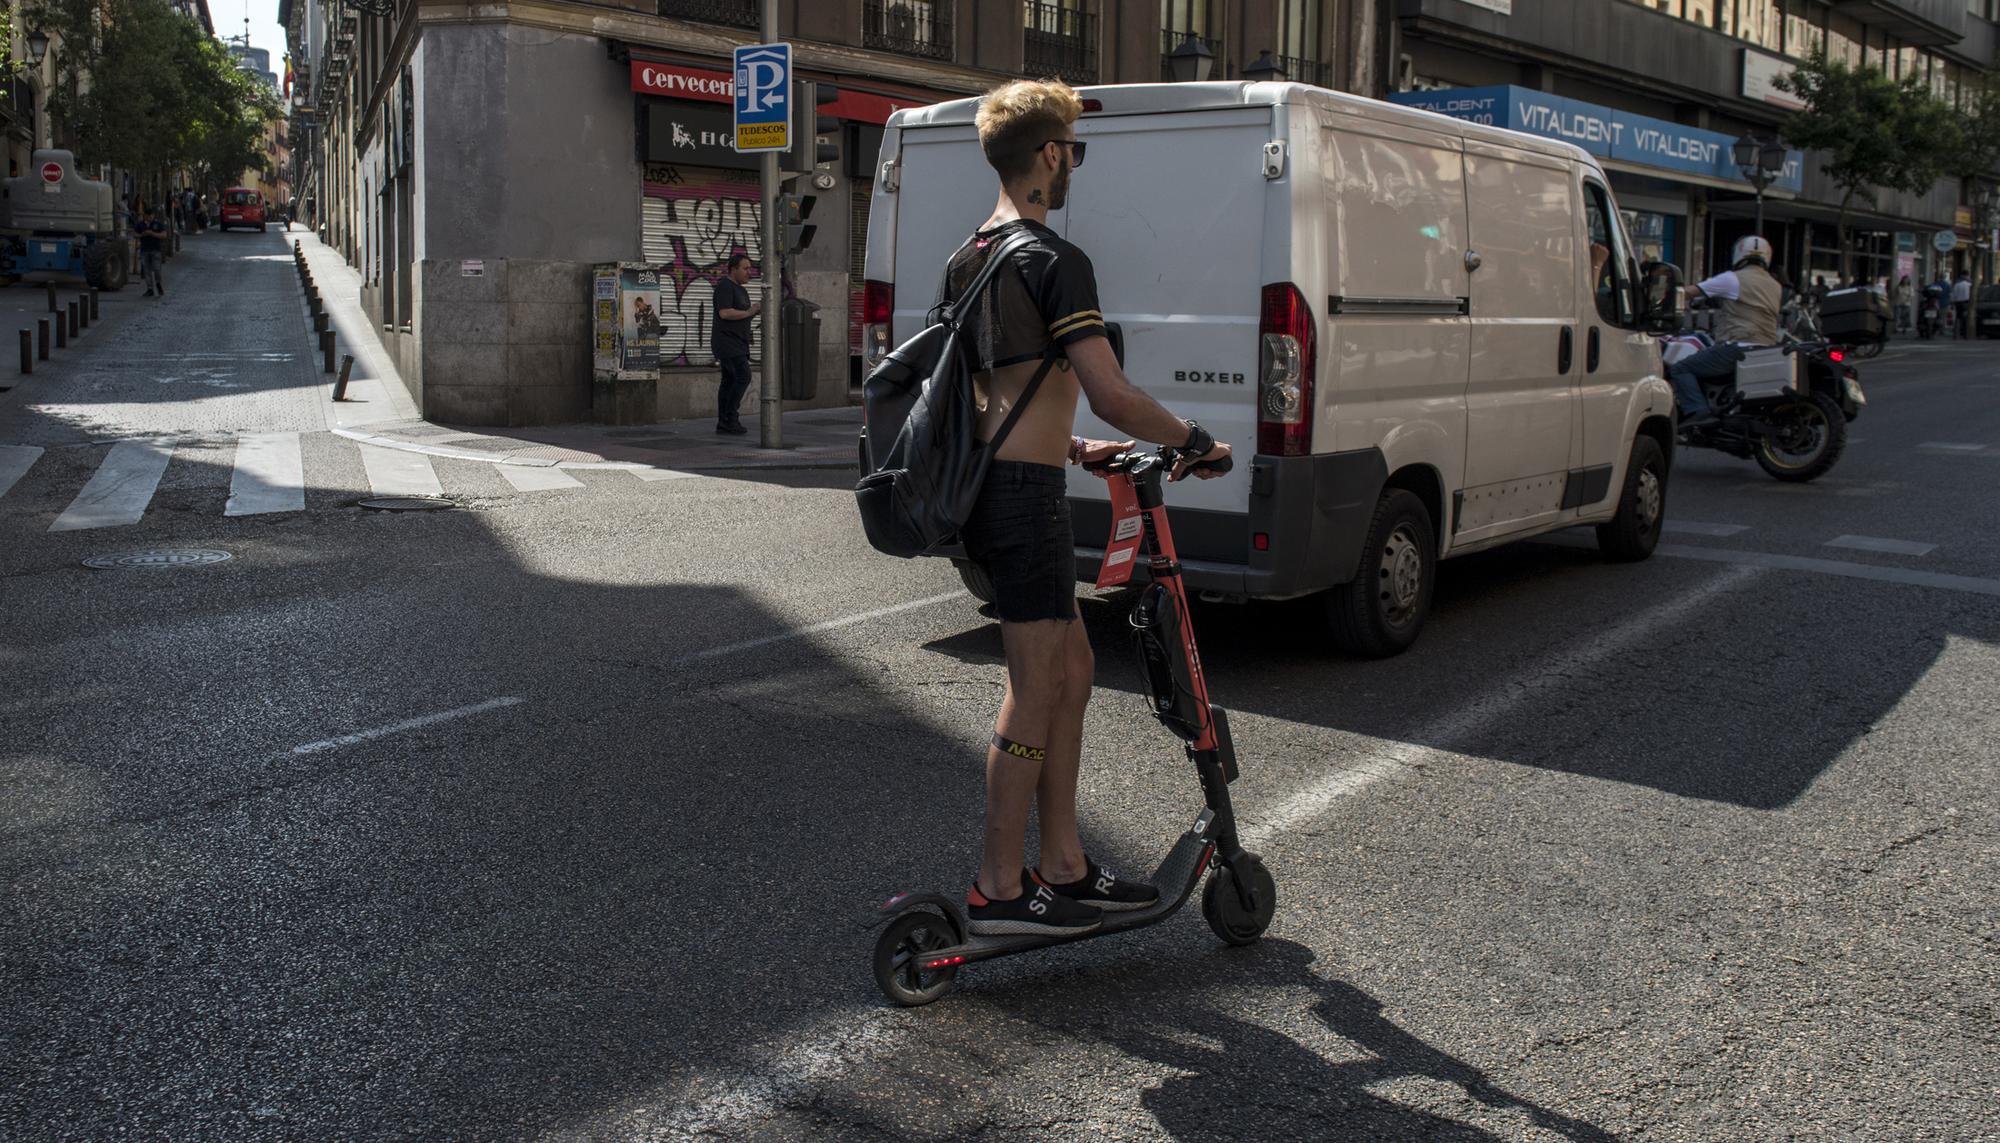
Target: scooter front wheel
(1223,907)
(900,954)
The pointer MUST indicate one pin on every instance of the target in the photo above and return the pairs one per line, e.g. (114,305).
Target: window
(1611,269)
(1060,39)
(915,27)
(1181,20)
(1298,47)
(1805,29)
(735,13)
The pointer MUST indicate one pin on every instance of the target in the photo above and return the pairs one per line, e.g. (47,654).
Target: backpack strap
(1001,253)
(1049,357)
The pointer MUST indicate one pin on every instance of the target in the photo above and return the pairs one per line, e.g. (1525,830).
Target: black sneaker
(733,429)
(147,294)
(1036,912)
(1101,889)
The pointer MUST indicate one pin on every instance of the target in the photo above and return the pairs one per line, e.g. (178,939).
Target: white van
(1390,314)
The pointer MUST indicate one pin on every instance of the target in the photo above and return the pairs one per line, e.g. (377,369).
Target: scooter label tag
(1127,532)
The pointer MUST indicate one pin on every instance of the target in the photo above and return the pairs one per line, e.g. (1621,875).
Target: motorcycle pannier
(1856,314)
(1765,373)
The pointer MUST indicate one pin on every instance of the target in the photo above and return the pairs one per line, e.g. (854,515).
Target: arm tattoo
(1035,196)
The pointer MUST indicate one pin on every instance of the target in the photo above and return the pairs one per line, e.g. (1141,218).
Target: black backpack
(922,462)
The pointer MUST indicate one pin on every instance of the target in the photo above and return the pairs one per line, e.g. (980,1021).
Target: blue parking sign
(764,97)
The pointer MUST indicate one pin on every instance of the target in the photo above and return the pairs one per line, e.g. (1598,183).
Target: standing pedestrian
(152,247)
(729,340)
(1961,305)
(1906,301)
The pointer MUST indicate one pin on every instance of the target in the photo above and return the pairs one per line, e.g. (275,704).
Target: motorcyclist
(1747,299)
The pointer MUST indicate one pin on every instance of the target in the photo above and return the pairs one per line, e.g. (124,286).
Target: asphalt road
(549,818)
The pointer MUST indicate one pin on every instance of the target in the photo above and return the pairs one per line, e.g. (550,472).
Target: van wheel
(976,580)
(1380,612)
(1634,532)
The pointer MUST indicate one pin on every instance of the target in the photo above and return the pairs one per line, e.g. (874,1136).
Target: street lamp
(1265,69)
(38,46)
(1191,61)
(1759,161)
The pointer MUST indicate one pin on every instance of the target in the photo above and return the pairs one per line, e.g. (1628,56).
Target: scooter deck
(1175,878)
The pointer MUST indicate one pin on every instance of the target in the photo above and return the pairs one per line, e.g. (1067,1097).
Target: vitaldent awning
(1638,140)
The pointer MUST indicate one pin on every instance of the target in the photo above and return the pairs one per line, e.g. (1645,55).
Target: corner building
(475,162)
(1659,89)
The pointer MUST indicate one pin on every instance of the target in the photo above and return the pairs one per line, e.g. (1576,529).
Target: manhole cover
(157,558)
(408,503)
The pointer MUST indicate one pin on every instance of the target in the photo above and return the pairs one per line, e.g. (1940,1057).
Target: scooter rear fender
(904,902)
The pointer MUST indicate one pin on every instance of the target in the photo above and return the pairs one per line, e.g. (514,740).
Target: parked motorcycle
(1930,313)
(1787,407)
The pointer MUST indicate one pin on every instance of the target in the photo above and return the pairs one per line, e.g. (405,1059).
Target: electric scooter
(918,956)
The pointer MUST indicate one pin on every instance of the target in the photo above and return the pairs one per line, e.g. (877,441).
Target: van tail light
(1287,357)
(878,301)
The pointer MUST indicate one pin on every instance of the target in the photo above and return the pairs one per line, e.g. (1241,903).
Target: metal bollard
(340,385)
(83,310)
(326,348)
(27,351)
(319,322)
(313,302)
(53,307)
(93,305)
(42,338)
(62,336)
(72,321)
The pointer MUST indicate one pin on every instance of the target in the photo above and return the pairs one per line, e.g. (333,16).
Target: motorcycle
(1930,312)
(1787,407)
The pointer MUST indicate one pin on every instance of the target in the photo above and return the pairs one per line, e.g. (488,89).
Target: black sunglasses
(1076,148)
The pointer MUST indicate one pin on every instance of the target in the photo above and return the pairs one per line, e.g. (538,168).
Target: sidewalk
(379,412)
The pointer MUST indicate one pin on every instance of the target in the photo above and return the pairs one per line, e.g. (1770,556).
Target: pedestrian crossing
(117,486)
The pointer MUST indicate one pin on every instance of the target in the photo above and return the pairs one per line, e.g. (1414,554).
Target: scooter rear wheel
(1224,910)
(900,952)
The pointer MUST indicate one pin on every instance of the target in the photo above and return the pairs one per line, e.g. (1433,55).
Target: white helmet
(1751,247)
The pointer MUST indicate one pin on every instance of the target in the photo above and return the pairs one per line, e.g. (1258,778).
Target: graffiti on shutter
(691,221)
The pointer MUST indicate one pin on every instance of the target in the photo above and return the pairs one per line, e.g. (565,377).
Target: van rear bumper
(1313,510)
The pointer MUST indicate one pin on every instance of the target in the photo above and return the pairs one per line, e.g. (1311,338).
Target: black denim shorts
(1020,535)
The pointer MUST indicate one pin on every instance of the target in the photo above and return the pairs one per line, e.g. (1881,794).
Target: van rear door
(1171,210)
(950,192)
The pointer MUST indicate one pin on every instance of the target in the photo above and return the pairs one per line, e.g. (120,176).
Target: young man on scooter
(1747,299)
(1019,532)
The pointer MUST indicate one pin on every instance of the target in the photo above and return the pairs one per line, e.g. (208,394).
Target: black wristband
(1199,442)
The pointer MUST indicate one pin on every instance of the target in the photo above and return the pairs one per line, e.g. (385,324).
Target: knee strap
(1019,750)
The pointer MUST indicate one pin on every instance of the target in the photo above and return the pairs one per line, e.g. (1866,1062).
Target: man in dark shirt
(152,237)
(729,339)
(1042,306)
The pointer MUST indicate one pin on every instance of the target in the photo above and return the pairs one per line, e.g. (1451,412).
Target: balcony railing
(912,27)
(1306,71)
(1060,40)
(735,13)
(1169,40)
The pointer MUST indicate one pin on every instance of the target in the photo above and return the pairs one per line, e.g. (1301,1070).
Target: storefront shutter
(691,221)
(857,260)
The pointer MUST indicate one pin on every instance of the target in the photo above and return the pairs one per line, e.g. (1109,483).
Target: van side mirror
(1661,297)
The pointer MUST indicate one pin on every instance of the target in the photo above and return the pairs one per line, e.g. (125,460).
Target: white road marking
(270,475)
(661,474)
(1489,708)
(407,724)
(118,492)
(1876,544)
(15,461)
(1695,528)
(814,629)
(526,478)
(1953,446)
(1973,585)
(392,472)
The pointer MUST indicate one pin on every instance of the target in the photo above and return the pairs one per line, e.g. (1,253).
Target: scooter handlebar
(1140,461)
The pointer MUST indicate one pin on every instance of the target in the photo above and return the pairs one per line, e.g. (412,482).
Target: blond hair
(1016,119)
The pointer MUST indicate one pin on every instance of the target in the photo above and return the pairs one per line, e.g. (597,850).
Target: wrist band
(1199,442)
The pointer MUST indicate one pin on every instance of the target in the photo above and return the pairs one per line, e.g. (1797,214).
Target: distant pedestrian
(729,339)
(152,247)
(1961,304)
(1906,301)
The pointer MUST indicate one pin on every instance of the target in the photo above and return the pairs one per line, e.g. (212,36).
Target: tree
(1874,132)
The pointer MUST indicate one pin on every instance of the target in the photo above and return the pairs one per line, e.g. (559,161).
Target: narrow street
(552,817)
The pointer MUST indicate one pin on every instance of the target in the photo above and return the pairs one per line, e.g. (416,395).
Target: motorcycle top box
(1855,313)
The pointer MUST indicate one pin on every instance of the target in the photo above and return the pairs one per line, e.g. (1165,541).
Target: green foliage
(1979,131)
(140,87)
(1872,131)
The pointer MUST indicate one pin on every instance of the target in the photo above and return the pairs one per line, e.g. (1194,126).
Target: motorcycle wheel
(1811,432)
(1868,349)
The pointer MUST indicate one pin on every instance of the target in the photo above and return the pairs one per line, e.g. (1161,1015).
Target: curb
(450,453)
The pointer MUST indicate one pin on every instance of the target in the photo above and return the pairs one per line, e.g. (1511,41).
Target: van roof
(1154,98)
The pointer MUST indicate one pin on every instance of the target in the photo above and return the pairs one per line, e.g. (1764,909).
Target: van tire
(977,582)
(1380,611)
(1642,506)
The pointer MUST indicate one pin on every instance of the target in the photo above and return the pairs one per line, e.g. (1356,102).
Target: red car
(242,206)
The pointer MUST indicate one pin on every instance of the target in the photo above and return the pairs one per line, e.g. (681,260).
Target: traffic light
(795,234)
(809,127)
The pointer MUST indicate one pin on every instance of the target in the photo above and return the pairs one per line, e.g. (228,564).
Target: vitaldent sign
(1602,131)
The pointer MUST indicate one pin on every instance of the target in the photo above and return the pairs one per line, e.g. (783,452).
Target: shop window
(1611,268)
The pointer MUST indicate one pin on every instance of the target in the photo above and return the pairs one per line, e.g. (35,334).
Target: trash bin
(799,375)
